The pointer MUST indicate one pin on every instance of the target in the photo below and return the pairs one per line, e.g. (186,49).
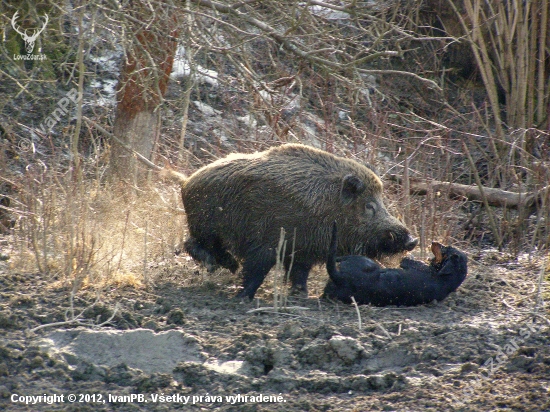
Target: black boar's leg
(298,277)
(255,268)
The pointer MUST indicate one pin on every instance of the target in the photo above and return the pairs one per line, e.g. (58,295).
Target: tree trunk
(136,131)
(141,88)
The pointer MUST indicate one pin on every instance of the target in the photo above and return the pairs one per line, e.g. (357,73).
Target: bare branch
(110,135)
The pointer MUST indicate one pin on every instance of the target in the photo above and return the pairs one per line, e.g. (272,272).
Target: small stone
(176,317)
(469,367)
(4,392)
(347,349)
(150,324)
(37,362)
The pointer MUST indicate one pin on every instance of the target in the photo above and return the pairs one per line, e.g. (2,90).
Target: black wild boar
(236,207)
(414,284)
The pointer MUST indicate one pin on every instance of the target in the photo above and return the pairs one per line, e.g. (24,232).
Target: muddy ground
(485,348)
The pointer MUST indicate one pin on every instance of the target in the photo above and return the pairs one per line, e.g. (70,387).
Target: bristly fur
(170,174)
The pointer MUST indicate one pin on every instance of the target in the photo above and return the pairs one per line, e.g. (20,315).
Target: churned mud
(184,343)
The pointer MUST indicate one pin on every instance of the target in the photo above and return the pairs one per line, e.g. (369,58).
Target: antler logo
(29,40)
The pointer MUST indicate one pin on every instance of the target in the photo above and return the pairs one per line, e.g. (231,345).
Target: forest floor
(185,343)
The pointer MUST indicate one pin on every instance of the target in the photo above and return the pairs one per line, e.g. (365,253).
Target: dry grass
(92,234)
(96,236)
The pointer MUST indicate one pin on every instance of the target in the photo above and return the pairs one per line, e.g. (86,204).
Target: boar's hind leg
(211,253)
(255,268)
(226,260)
(298,276)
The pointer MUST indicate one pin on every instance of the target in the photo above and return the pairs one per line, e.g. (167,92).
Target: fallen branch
(270,309)
(77,320)
(494,197)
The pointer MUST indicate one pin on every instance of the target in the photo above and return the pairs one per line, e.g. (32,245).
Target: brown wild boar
(237,205)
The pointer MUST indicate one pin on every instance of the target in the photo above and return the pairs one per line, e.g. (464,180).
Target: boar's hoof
(213,257)
(244,296)
(298,291)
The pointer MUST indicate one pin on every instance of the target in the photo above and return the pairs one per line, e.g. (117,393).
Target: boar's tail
(333,273)
(168,173)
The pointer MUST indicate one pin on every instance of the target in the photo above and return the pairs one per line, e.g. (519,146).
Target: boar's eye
(371,208)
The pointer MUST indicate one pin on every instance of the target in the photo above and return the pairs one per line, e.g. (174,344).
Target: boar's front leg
(211,253)
(256,266)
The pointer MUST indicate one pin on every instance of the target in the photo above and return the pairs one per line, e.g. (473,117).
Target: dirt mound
(138,349)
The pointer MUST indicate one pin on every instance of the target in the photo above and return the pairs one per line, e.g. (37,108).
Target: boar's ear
(352,187)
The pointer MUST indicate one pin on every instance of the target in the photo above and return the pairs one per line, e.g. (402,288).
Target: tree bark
(141,88)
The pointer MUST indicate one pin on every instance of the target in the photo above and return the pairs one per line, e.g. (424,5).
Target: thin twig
(540,298)
(490,214)
(358,313)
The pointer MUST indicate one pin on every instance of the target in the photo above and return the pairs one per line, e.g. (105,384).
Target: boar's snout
(395,240)
(411,243)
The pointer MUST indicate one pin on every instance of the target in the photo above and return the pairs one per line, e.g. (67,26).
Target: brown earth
(313,356)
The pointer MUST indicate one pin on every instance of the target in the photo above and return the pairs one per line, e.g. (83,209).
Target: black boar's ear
(352,188)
